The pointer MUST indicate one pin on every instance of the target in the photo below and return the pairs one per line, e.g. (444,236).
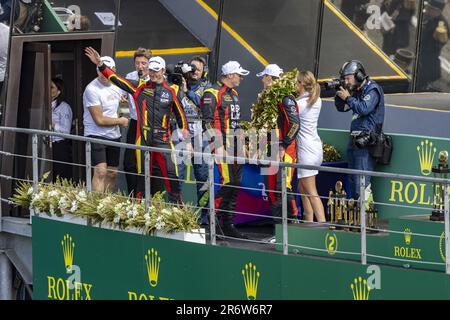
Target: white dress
(309,145)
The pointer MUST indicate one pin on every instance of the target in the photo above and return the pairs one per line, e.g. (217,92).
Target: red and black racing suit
(155,103)
(288,125)
(221,111)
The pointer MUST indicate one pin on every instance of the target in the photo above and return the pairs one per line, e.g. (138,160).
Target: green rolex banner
(75,262)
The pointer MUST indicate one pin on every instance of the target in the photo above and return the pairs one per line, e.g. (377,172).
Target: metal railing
(210,158)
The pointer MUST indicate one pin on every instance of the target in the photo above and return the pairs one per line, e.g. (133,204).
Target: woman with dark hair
(61,122)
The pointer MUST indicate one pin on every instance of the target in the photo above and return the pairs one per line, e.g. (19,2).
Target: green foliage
(117,210)
(330,153)
(265,109)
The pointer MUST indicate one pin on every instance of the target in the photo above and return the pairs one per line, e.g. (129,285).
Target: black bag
(382,149)
(388,147)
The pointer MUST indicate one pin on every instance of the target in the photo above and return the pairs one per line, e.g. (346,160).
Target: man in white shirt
(101,102)
(141,58)
(4,45)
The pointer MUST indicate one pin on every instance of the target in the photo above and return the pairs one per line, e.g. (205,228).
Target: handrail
(208,157)
(229,158)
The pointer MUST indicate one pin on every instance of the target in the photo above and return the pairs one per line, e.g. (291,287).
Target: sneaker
(231,231)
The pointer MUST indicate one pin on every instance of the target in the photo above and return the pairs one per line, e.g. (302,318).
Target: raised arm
(124,84)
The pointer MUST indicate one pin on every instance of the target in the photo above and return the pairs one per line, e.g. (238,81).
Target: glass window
(257,33)
(33,16)
(170,32)
(433,73)
(380,33)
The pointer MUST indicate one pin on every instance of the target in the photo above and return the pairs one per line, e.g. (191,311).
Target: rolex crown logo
(68,247)
(408,236)
(152,260)
(426,156)
(251,278)
(360,289)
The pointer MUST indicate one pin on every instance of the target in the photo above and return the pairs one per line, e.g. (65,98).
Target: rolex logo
(68,247)
(251,278)
(407,236)
(426,156)
(152,260)
(360,289)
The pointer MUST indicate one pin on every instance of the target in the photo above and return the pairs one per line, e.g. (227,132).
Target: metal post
(88,167)
(34,156)
(6,287)
(88,174)
(447,230)
(284,210)
(148,193)
(362,197)
(212,211)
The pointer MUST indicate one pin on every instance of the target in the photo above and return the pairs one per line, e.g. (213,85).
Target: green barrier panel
(77,262)
(51,22)
(412,155)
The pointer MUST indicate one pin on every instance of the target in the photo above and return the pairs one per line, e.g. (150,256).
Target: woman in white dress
(309,145)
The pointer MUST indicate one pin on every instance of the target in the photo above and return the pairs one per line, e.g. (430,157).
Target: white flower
(132,213)
(118,208)
(74,206)
(52,209)
(30,190)
(81,196)
(177,211)
(159,225)
(165,212)
(116,219)
(53,193)
(62,203)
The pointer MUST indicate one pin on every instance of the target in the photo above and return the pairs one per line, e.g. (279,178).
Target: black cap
(440,4)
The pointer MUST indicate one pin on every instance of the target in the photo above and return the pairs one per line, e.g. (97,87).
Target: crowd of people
(170,116)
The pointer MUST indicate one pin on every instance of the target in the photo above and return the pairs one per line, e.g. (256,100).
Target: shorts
(101,153)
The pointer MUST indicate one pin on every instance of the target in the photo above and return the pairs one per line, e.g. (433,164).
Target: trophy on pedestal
(372,217)
(440,171)
(353,213)
(337,207)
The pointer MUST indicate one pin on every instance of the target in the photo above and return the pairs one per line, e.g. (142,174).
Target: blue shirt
(367,106)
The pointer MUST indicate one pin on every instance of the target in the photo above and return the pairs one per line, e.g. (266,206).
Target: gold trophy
(330,207)
(440,171)
(441,33)
(336,205)
(372,217)
(353,213)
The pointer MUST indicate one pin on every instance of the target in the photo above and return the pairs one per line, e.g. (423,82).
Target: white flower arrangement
(120,211)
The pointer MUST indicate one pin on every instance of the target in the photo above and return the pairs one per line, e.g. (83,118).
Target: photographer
(194,84)
(365,98)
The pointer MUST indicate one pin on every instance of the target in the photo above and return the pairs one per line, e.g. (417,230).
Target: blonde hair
(311,86)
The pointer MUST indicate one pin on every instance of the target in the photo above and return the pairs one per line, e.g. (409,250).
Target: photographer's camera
(363,139)
(334,84)
(175,73)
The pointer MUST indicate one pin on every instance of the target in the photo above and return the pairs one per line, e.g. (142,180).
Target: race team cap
(108,61)
(233,67)
(271,70)
(156,63)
